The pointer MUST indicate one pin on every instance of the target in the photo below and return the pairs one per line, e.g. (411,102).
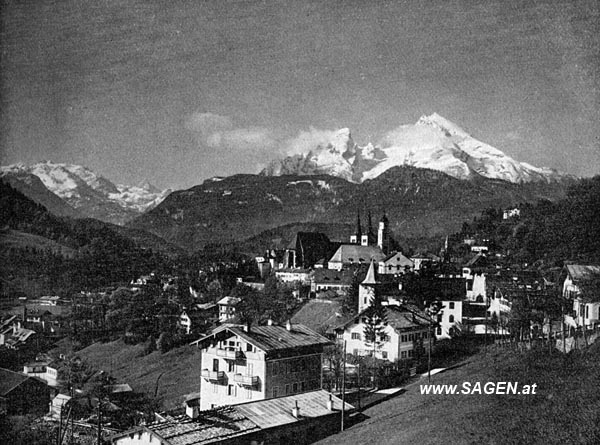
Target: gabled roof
(229,301)
(583,273)
(275,412)
(212,426)
(227,423)
(353,253)
(400,318)
(320,315)
(9,380)
(400,258)
(270,338)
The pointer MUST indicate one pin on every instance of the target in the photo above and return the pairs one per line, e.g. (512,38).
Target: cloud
(219,132)
(307,140)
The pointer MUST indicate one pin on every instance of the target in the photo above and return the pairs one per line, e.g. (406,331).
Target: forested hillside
(83,253)
(551,233)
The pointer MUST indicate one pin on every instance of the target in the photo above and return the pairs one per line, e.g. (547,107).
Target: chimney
(296,410)
(330,403)
(288,325)
(247,326)
(269,322)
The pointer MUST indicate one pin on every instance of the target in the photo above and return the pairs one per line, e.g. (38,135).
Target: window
(215,364)
(404,338)
(587,311)
(275,391)
(215,388)
(452,305)
(302,386)
(355,351)
(356,336)
(231,367)
(275,368)
(410,337)
(451,318)
(384,354)
(295,388)
(439,330)
(248,347)
(248,393)
(403,354)
(410,353)
(287,389)
(231,390)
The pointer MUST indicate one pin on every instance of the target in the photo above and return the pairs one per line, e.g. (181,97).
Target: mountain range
(433,142)
(429,177)
(419,202)
(81,192)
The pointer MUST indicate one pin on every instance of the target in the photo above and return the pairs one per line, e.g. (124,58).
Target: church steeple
(383,237)
(356,238)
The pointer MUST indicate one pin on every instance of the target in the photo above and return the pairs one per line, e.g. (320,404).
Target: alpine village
(297,306)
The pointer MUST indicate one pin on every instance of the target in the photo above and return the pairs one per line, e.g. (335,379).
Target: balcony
(213,376)
(230,354)
(244,380)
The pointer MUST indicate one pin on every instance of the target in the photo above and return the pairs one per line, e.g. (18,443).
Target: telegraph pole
(343,385)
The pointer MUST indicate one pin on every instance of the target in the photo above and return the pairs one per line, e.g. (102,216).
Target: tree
(350,300)
(375,320)
(214,291)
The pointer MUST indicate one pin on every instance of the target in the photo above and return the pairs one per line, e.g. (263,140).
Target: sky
(177,91)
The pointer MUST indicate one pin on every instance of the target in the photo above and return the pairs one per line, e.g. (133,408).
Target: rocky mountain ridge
(433,142)
(84,191)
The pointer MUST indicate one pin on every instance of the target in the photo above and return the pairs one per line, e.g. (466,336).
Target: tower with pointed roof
(366,289)
(383,236)
(357,237)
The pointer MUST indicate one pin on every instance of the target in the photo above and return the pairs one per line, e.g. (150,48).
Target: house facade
(395,264)
(241,364)
(586,305)
(227,308)
(407,334)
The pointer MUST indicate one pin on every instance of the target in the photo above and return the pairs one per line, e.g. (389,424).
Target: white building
(227,308)
(241,364)
(586,307)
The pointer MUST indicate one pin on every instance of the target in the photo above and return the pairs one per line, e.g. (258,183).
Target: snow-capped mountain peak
(433,142)
(84,189)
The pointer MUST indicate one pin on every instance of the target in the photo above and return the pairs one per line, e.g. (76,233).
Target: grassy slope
(178,369)
(565,410)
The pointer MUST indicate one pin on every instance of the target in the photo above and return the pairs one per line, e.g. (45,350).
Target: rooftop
(229,422)
(270,338)
(582,273)
(354,253)
(320,315)
(9,380)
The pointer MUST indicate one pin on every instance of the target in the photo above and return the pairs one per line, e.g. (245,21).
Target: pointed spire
(358,227)
(370,278)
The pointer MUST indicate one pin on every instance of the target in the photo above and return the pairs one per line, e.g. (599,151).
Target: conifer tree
(375,319)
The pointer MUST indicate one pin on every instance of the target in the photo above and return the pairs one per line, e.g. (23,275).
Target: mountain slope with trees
(417,201)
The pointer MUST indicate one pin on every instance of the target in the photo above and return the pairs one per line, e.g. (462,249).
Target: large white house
(242,364)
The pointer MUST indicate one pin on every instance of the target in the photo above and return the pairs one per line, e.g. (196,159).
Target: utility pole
(99,422)
(429,355)
(343,386)
(359,387)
